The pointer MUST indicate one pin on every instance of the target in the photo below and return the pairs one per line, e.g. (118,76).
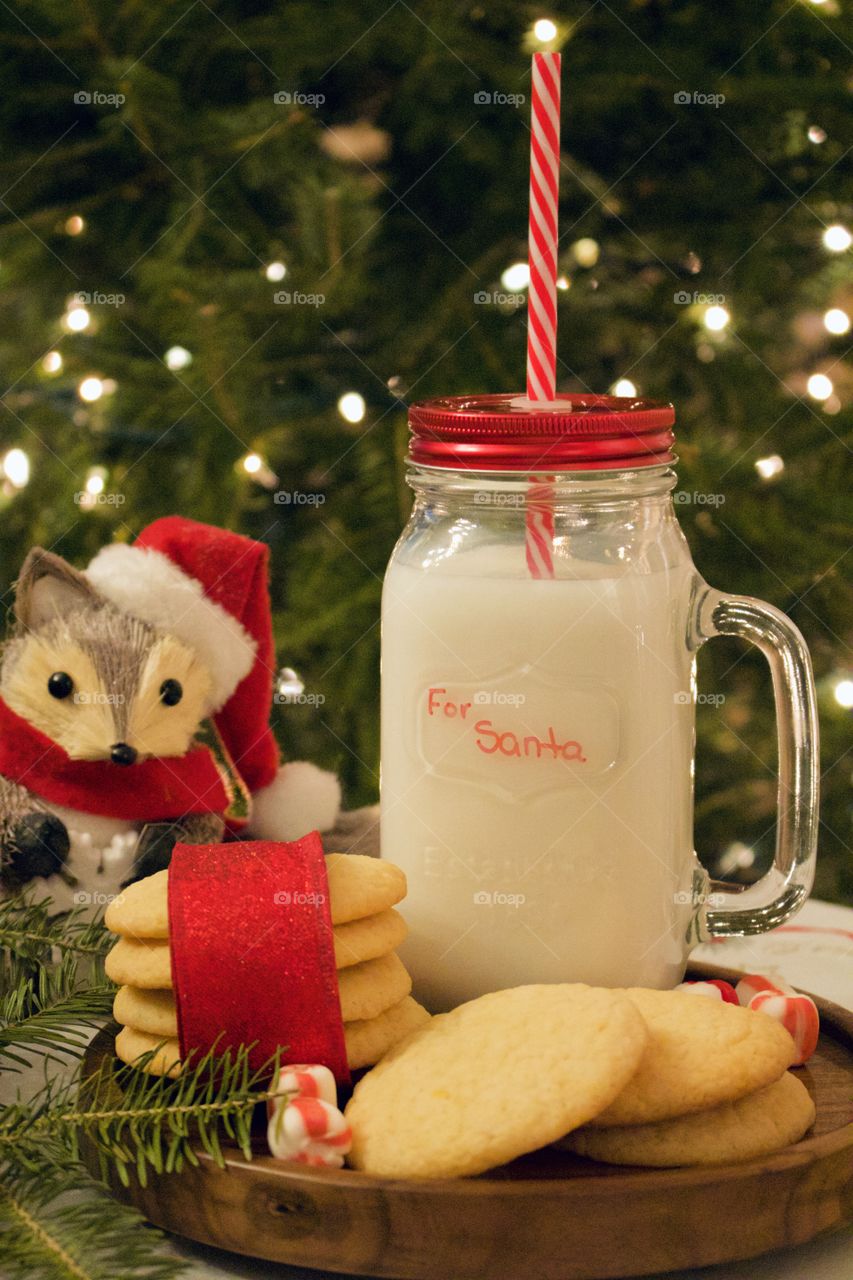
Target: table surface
(813,953)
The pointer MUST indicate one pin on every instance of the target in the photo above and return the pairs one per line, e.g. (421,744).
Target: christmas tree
(238,238)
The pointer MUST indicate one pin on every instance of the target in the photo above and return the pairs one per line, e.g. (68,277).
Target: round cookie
(358,886)
(150,1011)
(701,1053)
(141,962)
(141,910)
(368,938)
(166,1061)
(762,1122)
(369,988)
(499,1076)
(366,1041)
(366,991)
(370,1039)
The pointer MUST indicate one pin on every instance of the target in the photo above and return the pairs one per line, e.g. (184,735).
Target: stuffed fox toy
(134,712)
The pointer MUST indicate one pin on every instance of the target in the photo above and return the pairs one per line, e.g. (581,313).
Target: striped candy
(716,988)
(307,1128)
(798,1016)
(755,982)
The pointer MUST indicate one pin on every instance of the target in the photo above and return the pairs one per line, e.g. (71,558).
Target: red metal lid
(510,433)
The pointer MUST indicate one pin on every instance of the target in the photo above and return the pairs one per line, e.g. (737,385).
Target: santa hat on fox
(209,587)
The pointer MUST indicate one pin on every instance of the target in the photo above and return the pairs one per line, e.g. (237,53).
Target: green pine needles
(56,1219)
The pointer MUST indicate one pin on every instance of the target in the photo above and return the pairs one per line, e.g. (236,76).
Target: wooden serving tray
(550,1214)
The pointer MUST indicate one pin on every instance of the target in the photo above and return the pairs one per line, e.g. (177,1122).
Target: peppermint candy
(304,1123)
(714,988)
(798,1015)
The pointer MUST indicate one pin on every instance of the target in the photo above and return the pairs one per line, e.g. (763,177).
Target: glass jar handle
(784,889)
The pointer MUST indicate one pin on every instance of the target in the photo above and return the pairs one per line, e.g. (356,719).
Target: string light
(586,251)
(563,283)
(819,386)
(76,319)
(624,387)
(276,271)
(716,319)
(177,358)
(90,389)
(351,406)
(75,225)
(516,276)
(253,463)
(52,362)
(816,134)
(16,468)
(843,692)
(95,481)
(837,238)
(769,468)
(836,321)
(545,30)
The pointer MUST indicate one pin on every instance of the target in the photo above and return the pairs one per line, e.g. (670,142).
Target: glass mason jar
(541,616)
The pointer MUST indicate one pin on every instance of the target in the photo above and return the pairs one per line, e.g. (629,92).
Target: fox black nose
(123,753)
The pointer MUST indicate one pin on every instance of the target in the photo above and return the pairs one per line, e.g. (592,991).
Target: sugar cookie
(499,1076)
(701,1053)
(762,1122)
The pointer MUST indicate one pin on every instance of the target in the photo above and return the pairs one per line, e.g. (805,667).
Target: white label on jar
(519,734)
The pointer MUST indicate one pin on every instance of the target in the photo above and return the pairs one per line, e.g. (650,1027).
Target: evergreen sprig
(28,931)
(62,1227)
(51,1010)
(137,1122)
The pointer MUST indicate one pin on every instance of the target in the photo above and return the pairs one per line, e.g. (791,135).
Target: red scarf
(151,790)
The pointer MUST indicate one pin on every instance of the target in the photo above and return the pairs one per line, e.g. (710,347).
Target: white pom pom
(301,798)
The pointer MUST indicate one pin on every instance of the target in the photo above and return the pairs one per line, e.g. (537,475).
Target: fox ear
(49,588)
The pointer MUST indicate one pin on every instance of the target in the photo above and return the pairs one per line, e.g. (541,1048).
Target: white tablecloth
(814,953)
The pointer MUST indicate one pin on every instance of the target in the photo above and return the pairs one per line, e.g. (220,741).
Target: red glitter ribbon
(253,955)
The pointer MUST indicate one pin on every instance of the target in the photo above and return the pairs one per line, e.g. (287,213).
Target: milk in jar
(541,616)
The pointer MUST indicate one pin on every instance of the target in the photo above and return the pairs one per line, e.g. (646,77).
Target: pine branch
(57,1224)
(28,930)
(51,1011)
(135,1121)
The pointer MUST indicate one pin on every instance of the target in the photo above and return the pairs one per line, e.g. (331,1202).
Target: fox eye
(171,692)
(60,684)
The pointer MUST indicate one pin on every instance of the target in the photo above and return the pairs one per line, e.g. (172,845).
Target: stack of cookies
(374,986)
(634,1077)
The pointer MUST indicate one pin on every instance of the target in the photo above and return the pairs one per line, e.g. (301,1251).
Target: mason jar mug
(541,616)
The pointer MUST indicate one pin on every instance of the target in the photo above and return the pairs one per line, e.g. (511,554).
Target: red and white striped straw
(542,294)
